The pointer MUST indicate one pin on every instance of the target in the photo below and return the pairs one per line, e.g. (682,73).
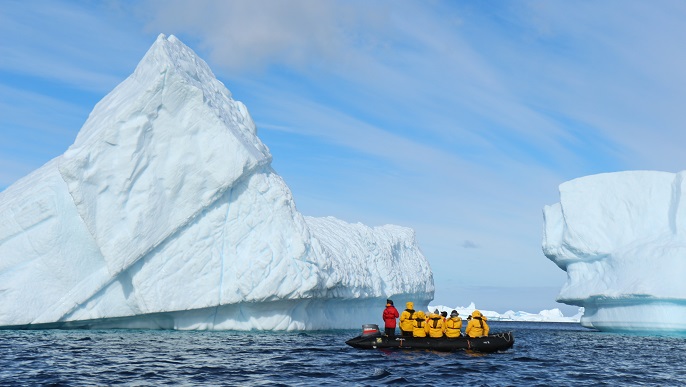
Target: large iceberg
(166,213)
(621,238)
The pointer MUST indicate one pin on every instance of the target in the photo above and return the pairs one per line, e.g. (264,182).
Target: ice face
(621,238)
(166,213)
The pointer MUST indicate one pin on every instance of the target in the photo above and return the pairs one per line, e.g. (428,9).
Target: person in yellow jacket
(419,328)
(477,326)
(435,325)
(453,325)
(406,318)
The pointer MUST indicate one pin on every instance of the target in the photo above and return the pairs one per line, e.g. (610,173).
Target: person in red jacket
(389,316)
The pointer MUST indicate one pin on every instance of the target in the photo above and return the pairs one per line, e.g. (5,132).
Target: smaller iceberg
(548,315)
(621,238)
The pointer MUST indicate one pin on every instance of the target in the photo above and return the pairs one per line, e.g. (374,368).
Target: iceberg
(546,315)
(166,213)
(621,238)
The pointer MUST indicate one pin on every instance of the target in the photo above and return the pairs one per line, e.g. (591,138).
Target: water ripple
(543,355)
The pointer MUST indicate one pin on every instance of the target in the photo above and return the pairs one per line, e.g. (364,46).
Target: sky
(459,119)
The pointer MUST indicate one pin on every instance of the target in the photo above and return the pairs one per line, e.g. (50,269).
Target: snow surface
(621,238)
(166,213)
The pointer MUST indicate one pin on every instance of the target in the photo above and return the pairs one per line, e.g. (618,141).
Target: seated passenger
(419,325)
(453,325)
(406,318)
(477,326)
(435,325)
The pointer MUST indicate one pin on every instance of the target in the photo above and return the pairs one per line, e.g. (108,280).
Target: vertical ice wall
(621,238)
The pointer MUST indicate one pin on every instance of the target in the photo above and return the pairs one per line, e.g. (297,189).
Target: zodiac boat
(372,338)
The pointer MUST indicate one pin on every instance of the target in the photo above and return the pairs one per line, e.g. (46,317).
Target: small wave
(377,374)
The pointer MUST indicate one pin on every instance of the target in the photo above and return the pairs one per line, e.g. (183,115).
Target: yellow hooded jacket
(453,326)
(419,325)
(406,317)
(435,325)
(477,326)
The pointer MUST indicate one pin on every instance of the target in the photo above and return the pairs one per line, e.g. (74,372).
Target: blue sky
(456,118)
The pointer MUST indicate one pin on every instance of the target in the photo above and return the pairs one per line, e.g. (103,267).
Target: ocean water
(544,354)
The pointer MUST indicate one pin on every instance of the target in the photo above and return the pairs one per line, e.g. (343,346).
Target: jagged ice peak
(166,213)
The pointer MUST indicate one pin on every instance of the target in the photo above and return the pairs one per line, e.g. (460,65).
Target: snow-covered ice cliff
(621,238)
(166,213)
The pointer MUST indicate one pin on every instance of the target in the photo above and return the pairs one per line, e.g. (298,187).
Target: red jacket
(389,316)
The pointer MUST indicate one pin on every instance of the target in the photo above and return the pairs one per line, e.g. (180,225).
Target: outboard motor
(370,330)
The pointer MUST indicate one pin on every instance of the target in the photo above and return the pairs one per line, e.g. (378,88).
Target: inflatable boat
(371,338)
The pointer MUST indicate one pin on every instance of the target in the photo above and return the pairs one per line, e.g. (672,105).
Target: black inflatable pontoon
(373,339)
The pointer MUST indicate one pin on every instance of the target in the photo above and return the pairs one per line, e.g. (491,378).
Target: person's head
(476,313)
(436,311)
(444,313)
(409,305)
(454,313)
(389,302)
(421,315)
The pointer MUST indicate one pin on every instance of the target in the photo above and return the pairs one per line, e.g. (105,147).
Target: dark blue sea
(544,354)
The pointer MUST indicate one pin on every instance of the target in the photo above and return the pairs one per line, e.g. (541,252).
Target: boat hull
(491,343)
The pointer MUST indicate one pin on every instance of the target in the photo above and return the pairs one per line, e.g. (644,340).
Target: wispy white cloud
(86,46)
(435,78)
(614,67)
(243,34)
